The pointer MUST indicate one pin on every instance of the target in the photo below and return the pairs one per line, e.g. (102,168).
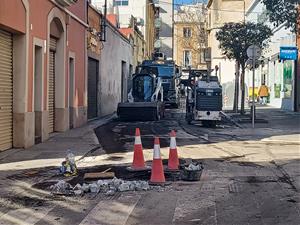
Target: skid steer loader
(145,99)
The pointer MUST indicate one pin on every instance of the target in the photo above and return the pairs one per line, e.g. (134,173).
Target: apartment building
(142,10)
(190,36)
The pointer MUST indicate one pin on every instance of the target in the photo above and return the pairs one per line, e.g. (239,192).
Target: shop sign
(288,53)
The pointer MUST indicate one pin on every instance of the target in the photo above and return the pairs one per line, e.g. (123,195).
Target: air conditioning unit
(65,3)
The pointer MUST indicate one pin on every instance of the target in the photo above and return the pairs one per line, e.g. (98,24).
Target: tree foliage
(283,11)
(235,38)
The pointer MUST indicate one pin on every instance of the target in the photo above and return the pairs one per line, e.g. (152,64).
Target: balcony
(65,3)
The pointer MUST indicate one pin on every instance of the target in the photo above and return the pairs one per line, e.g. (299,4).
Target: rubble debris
(124,187)
(85,188)
(110,192)
(192,172)
(68,167)
(77,187)
(94,188)
(61,187)
(78,192)
(107,186)
(194,167)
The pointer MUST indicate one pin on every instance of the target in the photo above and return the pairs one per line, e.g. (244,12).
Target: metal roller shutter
(51,90)
(53,42)
(6,91)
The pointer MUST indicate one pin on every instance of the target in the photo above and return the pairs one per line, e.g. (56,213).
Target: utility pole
(253,87)
(103,23)
(253,53)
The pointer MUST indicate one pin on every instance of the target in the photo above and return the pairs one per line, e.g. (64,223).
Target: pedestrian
(263,93)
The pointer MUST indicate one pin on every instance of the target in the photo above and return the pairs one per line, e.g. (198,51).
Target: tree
(234,39)
(283,12)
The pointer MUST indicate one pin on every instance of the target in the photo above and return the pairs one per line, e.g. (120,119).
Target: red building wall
(76,43)
(29,20)
(12,15)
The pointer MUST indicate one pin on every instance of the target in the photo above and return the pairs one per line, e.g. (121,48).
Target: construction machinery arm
(158,90)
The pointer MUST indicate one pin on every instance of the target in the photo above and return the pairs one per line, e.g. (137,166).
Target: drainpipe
(103,23)
(296,87)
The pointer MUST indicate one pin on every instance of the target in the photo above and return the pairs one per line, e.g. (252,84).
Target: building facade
(190,36)
(297,108)
(107,79)
(219,13)
(166,30)
(278,75)
(94,48)
(43,85)
(142,10)
(116,67)
(139,44)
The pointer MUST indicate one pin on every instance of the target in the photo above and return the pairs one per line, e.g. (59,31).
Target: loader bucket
(140,111)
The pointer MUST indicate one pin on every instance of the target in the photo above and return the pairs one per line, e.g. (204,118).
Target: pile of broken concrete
(108,187)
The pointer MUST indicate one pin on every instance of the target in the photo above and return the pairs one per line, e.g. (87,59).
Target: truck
(170,78)
(204,99)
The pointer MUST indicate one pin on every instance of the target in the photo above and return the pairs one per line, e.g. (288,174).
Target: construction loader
(145,99)
(170,77)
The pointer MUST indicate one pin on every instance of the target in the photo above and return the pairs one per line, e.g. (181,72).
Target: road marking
(111,212)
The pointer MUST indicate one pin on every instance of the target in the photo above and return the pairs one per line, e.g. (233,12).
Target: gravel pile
(109,187)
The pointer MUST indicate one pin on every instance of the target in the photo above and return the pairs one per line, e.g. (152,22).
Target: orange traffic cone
(157,172)
(173,162)
(138,156)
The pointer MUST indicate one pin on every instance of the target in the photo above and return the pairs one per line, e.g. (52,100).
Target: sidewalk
(272,125)
(79,140)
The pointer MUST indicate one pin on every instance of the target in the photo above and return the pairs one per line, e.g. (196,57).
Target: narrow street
(149,112)
(249,177)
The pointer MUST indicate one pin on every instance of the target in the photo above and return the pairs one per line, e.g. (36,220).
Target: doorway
(93,71)
(38,92)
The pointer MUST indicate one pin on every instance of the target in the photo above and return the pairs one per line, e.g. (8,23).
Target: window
(120,2)
(187,58)
(187,32)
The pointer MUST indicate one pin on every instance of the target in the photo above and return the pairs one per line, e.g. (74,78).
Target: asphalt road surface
(249,178)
